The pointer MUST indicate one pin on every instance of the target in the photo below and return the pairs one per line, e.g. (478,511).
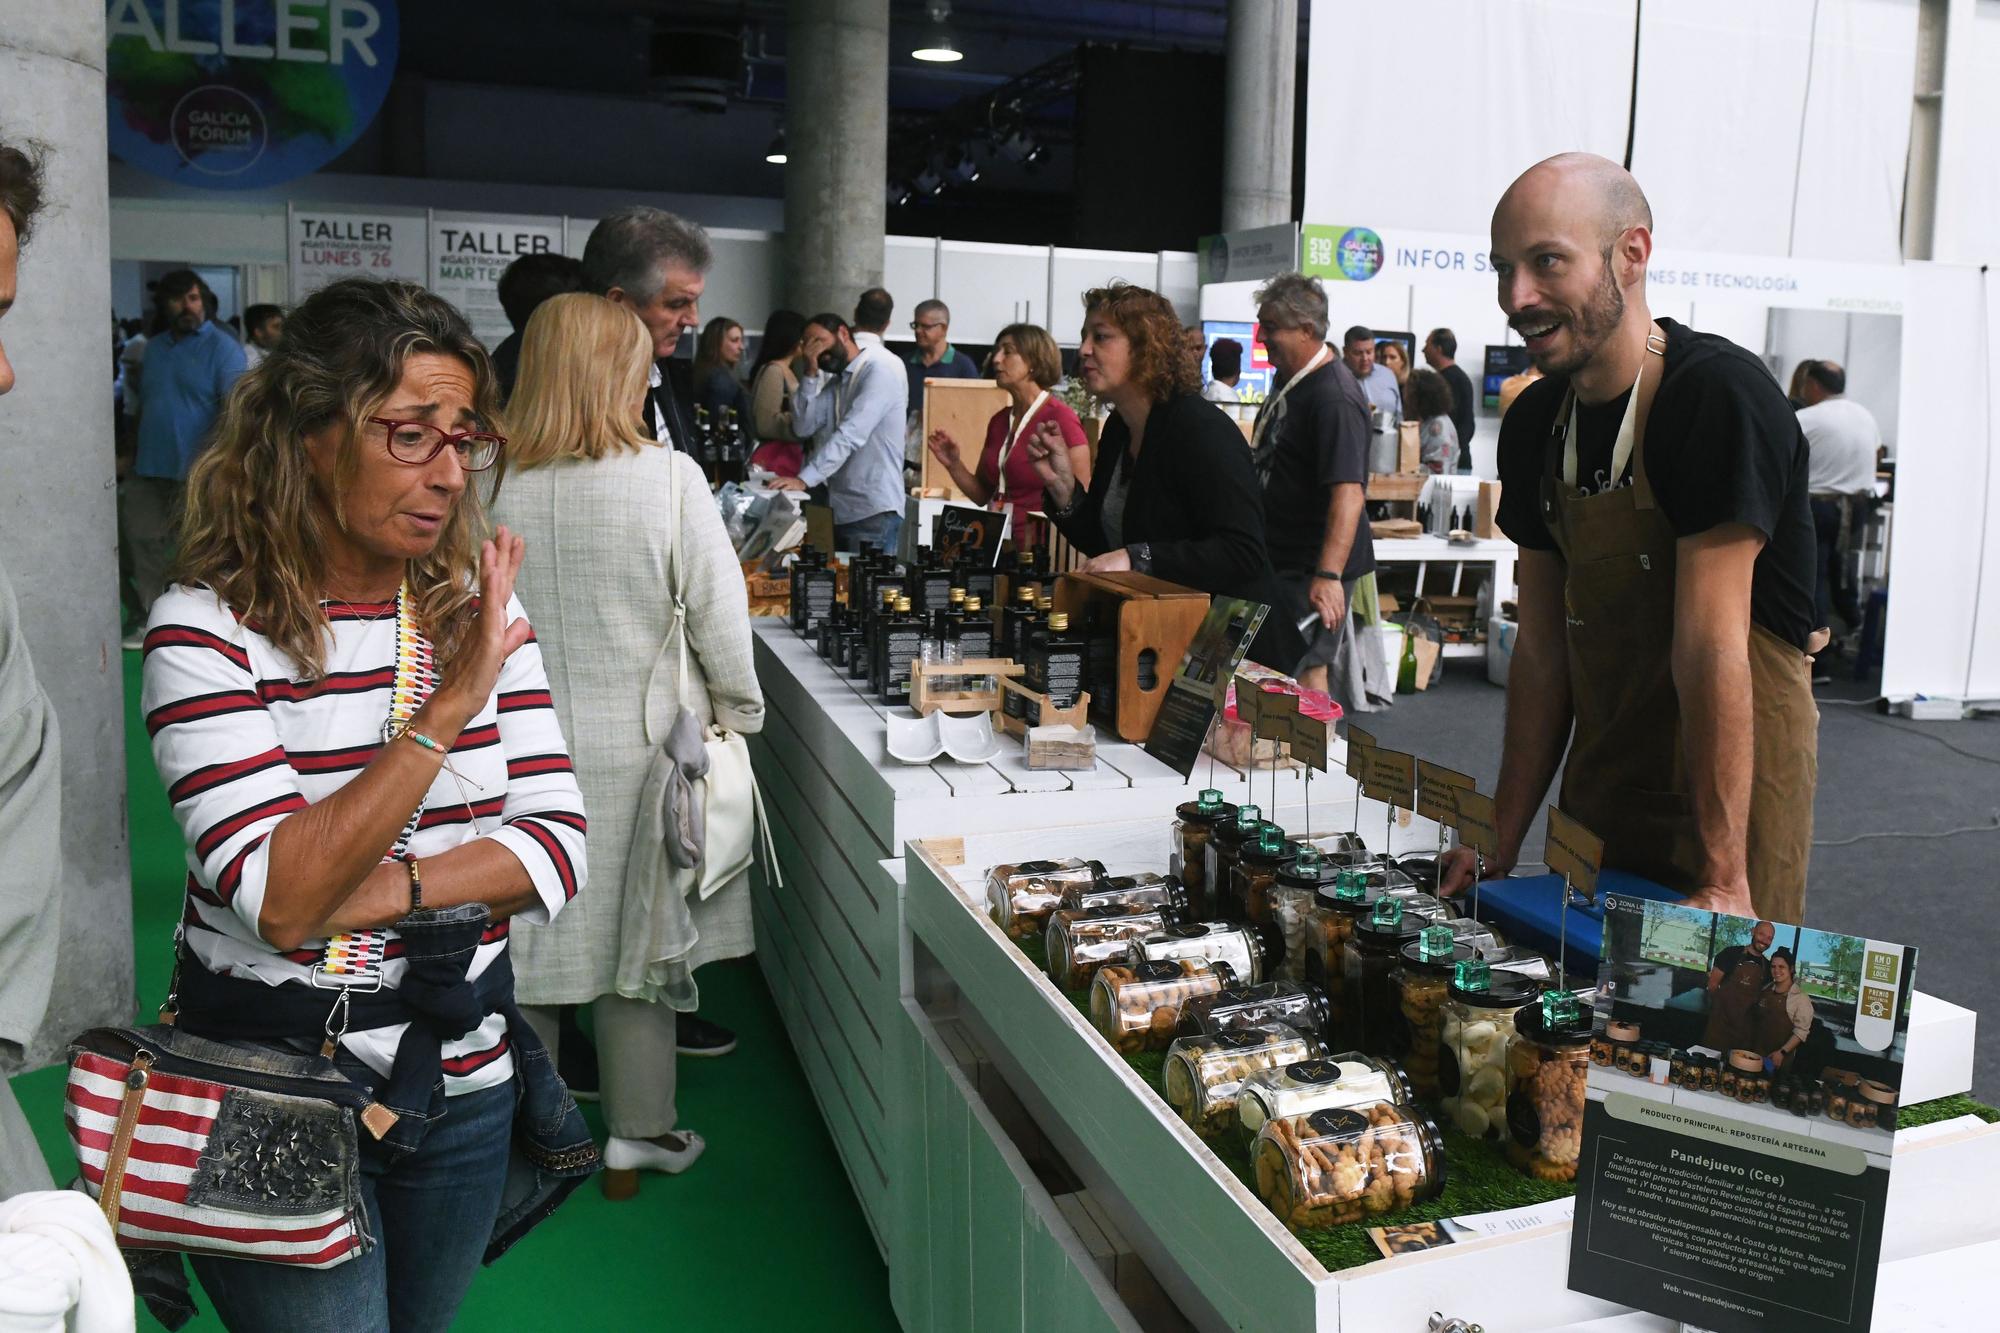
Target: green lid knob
(1435,942)
(1388,912)
(1307,861)
(1473,974)
(1209,801)
(1249,816)
(1348,888)
(1271,840)
(1559,1009)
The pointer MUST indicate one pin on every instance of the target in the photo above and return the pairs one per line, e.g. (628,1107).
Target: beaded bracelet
(406,733)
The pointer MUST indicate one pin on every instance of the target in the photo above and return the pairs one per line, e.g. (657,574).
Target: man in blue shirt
(935,357)
(1378,383)
(190,367)
(853,407)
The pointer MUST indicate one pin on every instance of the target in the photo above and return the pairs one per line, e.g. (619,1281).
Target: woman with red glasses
(350,714)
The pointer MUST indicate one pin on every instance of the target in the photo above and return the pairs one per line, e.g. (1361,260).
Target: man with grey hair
(657,264)
(1310,446)
(935,357)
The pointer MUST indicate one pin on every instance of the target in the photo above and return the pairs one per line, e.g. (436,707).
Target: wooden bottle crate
(1155,620)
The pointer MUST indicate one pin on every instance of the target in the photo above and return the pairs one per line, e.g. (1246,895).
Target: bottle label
(1062,676)
(1158,970)
(1314,1072)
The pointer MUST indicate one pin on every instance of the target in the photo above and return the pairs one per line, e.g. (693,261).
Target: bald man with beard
(1655,481)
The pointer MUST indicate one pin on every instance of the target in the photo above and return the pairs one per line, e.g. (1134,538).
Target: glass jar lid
(1209,808)
(1386,926)
(1309,869)
(1270,847)
(1554,1020)
(1434,950)
(1475,982)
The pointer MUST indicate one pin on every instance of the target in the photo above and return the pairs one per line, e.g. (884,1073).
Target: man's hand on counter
(1459,870)
(787,484)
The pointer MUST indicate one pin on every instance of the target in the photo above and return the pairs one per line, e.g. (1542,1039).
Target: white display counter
(1014,1172)
(832,939)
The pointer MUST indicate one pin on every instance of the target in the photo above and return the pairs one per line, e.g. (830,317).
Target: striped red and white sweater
(241,744)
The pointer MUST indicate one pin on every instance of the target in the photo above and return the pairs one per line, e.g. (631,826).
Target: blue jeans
(883,529)
(429,1211)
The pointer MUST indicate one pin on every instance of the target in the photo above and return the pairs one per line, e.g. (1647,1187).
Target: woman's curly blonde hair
(250,530)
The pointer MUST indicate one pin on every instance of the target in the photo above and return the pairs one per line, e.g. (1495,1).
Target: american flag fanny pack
(237,1152)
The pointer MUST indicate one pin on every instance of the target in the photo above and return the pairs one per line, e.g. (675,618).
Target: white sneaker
(134,641)
(645,1155)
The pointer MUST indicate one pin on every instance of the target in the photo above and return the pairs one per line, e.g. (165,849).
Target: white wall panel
(743,282)
(909,270)
(1944,477)
(990,286)
(1510,81)
(1074,272)
(1982,676)
(1180,282)
(1721,85)
(1969,168)
(1857,132)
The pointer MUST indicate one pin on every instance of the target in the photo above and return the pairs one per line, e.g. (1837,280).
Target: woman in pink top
(1025,364)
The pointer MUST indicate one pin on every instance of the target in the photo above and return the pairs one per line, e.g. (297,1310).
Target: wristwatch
(416,886)
(1141,556)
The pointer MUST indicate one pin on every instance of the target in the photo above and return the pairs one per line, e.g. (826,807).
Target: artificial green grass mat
(1478,1176)
(693,1253)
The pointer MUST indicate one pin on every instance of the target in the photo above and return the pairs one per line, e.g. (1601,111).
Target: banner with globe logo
(1350,254)
(241,94)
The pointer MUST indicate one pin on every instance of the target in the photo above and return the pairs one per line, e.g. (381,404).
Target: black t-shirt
(1316,438)
(1462,408)
(1722,446)
(1726,961)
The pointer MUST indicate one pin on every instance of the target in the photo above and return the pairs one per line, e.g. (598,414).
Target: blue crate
(1524,909)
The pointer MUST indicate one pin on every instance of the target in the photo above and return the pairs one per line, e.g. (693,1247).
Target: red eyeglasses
(418,442)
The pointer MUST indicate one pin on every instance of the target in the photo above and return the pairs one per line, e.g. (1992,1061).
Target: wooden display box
(961,408)
(1155,620)
(943,686)
(770,594)
(1046,713)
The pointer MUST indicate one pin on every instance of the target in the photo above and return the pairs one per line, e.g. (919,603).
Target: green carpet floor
(763,1232)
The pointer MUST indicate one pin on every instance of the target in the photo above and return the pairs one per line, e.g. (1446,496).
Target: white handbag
(729,810)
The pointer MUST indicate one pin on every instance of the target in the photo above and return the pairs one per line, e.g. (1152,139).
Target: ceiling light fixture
(936,46)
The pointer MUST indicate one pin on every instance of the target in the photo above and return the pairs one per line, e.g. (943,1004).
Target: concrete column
(1262,71)
(837,145)
(58,529)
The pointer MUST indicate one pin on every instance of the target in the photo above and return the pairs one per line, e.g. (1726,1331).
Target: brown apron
(1733,1004)
(1770,1023)
(1625,777)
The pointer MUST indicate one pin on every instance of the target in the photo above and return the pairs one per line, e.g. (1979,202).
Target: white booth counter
(832,939)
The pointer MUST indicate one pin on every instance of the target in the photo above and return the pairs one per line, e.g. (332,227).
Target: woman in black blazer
(1174,493)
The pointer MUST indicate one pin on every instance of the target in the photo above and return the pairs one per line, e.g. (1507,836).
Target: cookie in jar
(1344,1165)
(1078,943)
(1292,899)
(1225,843)
(1194,823)
(1202,1075)
(1347,1079)
(1256,872)
(1020,897)
(1422,976)
(1136,1006)
(1478,1024)
(1548,1064)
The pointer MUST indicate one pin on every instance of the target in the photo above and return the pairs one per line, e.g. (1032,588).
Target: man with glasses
(935,357)
(190,368)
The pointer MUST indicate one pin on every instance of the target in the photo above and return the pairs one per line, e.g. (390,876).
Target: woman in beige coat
(613,530)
